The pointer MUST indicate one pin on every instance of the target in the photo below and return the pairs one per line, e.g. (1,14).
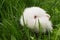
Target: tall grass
(11,11)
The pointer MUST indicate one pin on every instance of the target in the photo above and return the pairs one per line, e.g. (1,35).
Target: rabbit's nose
(35,17)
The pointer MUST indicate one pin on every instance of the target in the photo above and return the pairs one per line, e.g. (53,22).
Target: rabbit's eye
(35,17)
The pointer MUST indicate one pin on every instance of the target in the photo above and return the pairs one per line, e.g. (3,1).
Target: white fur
(32,23)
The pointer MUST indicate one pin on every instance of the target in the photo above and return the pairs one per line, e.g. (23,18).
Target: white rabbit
(32,15)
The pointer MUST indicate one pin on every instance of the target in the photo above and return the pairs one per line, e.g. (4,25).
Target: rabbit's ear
(47,15)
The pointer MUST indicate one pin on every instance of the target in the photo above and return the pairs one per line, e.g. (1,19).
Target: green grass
(11,11)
